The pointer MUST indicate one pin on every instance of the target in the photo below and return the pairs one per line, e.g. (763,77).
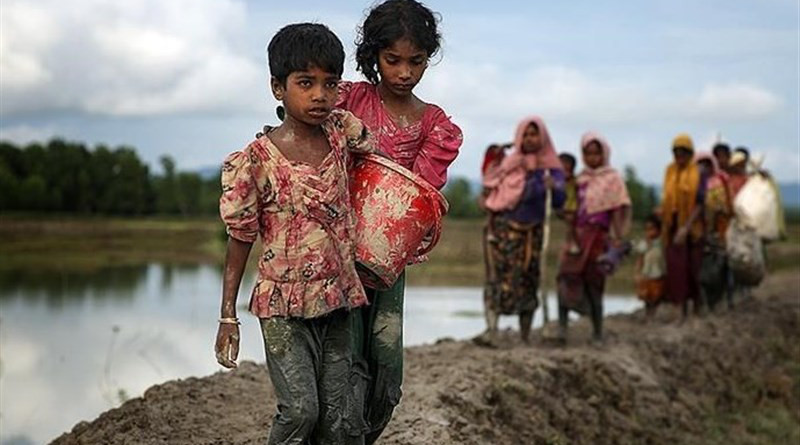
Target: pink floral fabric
(303,215)
(426,147)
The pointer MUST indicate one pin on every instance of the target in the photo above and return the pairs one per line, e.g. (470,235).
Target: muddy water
(72,346)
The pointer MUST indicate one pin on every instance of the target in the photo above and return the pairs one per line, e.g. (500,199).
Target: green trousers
(378,349)
(310,364)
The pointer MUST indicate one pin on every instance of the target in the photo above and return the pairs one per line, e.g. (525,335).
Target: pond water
(75,345)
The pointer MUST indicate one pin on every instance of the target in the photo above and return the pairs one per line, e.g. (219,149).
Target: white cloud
(735,101)
(127,58)
(573,96)
(24,134)
(25,32)
(487,102)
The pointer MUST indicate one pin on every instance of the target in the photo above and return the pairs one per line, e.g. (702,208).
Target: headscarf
(605,188)
(681,185)
(718,203)
(506,181)
(716,177)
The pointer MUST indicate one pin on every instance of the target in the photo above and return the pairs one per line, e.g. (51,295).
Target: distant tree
(166,187)
(190,191)
(209,201)
(63,176)
(463,201)
(133,181)
(33,194)
(9,186)
(67,176)
(643,197)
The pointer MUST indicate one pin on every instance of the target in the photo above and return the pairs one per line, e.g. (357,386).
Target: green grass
(68,243)
(86,244)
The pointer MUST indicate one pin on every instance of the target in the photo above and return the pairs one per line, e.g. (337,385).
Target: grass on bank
(85,244)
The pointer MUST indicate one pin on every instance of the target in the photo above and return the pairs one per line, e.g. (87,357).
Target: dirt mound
(656,384)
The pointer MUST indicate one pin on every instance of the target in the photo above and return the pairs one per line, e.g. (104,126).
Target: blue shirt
(531,207)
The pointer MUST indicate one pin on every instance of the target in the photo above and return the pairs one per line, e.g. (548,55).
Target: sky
(188,78)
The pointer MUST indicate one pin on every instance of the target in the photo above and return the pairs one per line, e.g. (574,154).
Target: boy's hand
(227,346)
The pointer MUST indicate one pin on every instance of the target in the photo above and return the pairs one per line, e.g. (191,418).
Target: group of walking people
(681,260)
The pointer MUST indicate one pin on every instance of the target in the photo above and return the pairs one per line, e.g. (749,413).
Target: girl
(515,190)
(602,219)
(395,44)
(681,207)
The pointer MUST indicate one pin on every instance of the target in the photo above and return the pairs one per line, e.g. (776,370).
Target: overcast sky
(188,77)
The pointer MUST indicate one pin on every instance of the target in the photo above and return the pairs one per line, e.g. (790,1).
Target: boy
(650,267)
(289,187)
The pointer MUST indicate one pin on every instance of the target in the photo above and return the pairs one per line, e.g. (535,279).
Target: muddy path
(648,384)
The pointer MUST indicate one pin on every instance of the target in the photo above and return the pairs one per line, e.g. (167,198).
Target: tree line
(68,177)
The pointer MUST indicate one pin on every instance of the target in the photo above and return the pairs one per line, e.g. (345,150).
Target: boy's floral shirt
(303,216)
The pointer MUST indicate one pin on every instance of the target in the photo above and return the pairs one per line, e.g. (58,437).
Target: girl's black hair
(569,158)
(721,147)
(390,21)
(655,220)
(298,46)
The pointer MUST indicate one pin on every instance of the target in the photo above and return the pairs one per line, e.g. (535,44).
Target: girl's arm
(683,231)
(227,345)
(620,222)
(439,149)
(558,186)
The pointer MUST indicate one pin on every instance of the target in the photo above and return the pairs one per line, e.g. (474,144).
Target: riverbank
(47,245)
(731,377)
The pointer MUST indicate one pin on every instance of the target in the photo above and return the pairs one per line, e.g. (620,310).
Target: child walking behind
(651,268)
(289,187)
(396,41)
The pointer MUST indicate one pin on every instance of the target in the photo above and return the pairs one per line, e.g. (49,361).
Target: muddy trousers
(310,366)
(596,313)
(378,347)
(593,290)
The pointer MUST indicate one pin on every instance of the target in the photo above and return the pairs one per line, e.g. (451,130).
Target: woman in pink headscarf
(514,195)
(602,220)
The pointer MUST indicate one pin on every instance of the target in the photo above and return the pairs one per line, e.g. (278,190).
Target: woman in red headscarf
(602,220)
(515,187)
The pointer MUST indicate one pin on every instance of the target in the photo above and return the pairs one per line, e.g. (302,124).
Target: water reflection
(74,345)
(58,288)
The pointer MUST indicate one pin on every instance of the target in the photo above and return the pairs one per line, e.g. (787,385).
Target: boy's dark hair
(744,151)
(568,158)
(298,46)
(390,21)
(721,147)
(655,220)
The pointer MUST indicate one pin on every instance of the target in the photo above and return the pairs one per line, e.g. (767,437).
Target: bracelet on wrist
(229,320)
